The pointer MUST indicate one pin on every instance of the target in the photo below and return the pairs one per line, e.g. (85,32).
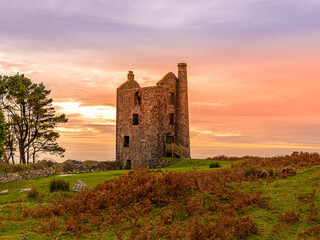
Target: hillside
(183,201)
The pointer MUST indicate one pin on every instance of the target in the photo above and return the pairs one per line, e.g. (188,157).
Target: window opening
(128,165)
(171,118)
(126,141)
(135,119)
(171,98)
(137,98)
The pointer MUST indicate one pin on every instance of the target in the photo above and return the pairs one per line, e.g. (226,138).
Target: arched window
(137,98)
(171,98)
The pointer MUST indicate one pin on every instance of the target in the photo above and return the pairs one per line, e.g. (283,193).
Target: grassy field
(91,179)
(178,165)
(18,229)
(94,178)
(283,196)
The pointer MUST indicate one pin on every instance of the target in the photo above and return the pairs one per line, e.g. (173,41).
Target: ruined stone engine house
(152,122)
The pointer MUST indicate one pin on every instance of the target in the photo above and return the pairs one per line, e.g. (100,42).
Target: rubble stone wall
(157,104)
(39,173)
(84,168)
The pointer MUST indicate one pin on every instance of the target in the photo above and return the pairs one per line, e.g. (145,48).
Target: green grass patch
(57,184)
(91,179)
(25,228)
(289,197)
(284,197)
(190,164)
(94,178)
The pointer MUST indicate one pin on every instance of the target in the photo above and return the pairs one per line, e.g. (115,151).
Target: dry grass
(170,205)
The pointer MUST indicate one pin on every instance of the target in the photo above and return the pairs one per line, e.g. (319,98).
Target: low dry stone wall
(39,173)
(84,168)
(164,162)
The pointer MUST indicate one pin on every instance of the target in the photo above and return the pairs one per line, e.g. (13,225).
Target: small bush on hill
(232,159)
(272,173)
(313,214)
(71,161)
(56,197)
(90,162)
(68,167)
(46,163)
(13,168)
(214,165)
(59,185)
(35,194)
(307,197)
(311,231)
(289,217)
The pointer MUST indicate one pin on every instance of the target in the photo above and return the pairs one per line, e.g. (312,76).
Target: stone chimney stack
(130,76)
(182,109)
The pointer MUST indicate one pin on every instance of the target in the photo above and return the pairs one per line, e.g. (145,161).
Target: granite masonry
(37,173)
(152,122)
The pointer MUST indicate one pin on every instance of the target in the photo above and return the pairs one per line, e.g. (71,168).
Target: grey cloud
(110,24)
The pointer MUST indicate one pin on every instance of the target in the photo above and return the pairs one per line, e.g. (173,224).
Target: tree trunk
(28,155)
(22,154)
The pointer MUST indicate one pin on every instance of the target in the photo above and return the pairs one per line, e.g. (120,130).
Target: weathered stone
(164,162)
(262,173)
(287,171)
(79,186)
(83,168)
(4,191)
(37,173)
(9,177)
(25,190)
(150,119)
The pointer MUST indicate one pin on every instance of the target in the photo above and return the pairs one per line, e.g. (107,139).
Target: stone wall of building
(182,109)
(144,142)
(39,173)
(84,168)
(164,162)
(147,139)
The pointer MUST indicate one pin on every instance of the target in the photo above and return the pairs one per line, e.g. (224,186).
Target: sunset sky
(253,67)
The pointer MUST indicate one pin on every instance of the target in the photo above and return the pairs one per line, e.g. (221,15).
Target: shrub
(312,231)
(166,216)
(313,215)
(232,159)
(56,197)
(46,163)
(13,168)
(214,165)
(272,173)
(307,197)
(289,217)
(35,194)
(68,167)
(59,185)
